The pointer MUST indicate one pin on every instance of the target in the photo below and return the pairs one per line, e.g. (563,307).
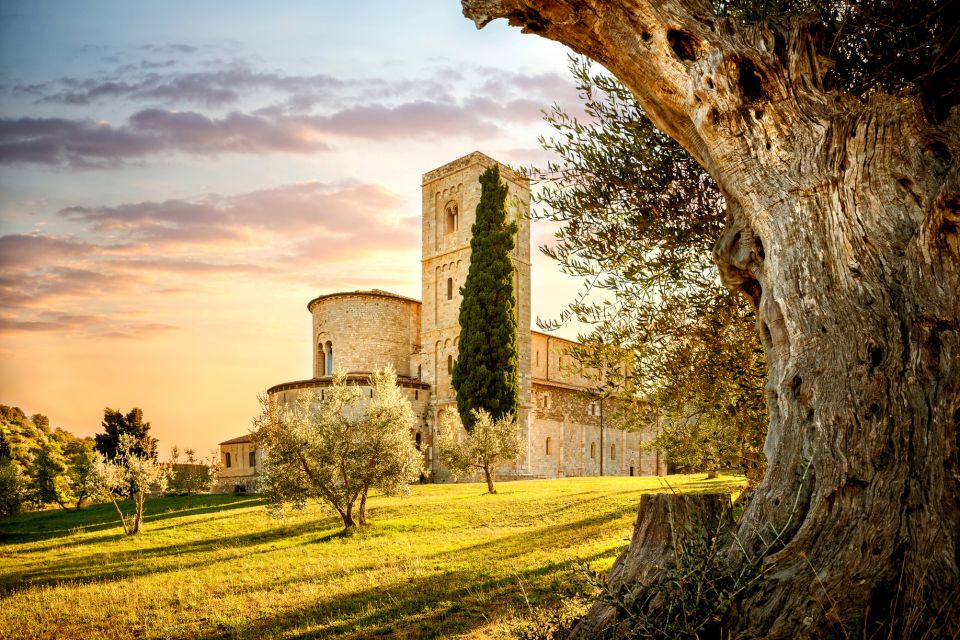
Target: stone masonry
(565,433)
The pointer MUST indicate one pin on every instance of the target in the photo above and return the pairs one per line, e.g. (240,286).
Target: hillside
(448,561)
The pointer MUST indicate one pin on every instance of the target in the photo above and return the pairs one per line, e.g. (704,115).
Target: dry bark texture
(664,521)
(843,230)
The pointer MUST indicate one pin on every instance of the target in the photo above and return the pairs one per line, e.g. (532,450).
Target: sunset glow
(178,180)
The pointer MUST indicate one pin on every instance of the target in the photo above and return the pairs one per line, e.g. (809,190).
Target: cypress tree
(486,374)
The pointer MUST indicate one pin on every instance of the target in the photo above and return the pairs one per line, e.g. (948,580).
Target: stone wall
(367,330)
(573,425)
(240,473)
(551,360)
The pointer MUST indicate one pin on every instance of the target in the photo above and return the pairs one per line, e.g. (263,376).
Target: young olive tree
(491,443)
(338,447)
(128,473)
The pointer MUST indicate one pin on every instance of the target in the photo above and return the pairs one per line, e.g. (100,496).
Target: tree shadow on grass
(44,525)
(116,564)
(440,604)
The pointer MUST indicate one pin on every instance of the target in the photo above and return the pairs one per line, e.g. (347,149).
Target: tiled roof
(239,440)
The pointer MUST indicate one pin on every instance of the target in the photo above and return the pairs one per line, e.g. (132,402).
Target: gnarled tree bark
(843,229)
(665,522)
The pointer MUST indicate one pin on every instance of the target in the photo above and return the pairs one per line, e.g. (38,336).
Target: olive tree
(493,442)
(832,132)
(128,473)
(336,447)
(639,218)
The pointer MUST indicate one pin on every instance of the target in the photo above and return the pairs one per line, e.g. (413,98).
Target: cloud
(303,113)
(18,250)
(339,209)
(87,144)
(121,257)
(212,88)
(103,326)
(420,118)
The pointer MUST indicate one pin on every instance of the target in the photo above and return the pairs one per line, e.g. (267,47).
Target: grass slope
(447,561)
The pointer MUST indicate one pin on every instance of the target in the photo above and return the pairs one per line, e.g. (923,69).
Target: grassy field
(448,561)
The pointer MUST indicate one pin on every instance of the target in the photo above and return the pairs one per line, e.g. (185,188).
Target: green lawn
(448,561)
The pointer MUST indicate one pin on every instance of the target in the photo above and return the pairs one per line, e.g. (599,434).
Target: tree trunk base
(665,522)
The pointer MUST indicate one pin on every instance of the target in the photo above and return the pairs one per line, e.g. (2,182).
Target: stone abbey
(361,331)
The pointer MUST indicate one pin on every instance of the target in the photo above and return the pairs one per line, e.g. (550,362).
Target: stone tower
(451,194)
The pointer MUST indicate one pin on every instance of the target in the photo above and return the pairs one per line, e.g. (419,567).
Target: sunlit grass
(445,562)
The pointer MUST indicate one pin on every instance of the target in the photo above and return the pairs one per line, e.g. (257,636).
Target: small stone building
(239,465)
(565,434)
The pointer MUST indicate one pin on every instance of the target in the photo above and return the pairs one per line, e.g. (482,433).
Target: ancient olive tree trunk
(843,230)
(665,524)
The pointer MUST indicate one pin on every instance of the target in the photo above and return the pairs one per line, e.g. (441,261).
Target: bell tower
(451,194)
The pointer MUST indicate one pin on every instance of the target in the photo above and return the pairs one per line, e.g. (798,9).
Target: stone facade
(239,465)
(564,433)
(364,331)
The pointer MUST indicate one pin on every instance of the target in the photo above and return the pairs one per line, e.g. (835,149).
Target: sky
(178,179)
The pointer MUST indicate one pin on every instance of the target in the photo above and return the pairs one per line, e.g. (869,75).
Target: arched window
(450,364)
(226,459)
(613,452)
(449,288)
(549,447)
(451,211)
(329,354)
(593,450)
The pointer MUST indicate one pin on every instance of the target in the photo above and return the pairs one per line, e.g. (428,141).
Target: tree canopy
(639,219)
(492,443)
(486,373)
(337,447)
(116,424)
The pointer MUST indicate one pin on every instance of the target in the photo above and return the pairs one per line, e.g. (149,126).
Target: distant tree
(80,456)
(115,424)
(20,436)
(193,475)
(491,444)
(129,472)
(12,487)
(486,373)
(337,448)
(47,475)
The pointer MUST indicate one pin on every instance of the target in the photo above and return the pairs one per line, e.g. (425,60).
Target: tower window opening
(452,218)
(613,452)
(450,364)
(549,446)
(593,450)
(329,358)
(449,288)
(418,440)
